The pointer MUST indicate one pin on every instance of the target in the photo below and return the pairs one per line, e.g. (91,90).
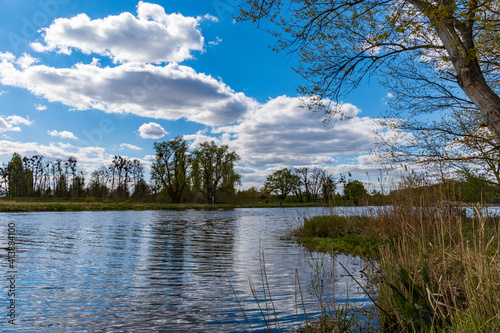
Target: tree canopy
(448,49)
(281,182)
(213,170)
(170,168)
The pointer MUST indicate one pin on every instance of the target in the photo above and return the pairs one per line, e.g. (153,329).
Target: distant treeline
(201,175)
(37,177)
(316,184)
(207,175)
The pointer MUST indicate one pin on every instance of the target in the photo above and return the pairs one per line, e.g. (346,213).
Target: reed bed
(437,270)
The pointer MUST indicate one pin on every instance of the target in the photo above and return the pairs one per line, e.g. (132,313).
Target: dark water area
(162,271)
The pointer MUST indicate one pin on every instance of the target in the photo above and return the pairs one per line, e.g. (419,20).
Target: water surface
(164,271)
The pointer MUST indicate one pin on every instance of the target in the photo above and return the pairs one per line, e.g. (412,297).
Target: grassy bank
(437,270)
(89,204)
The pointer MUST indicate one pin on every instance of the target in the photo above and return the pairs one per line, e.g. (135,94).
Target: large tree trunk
(459,44)
(470,77)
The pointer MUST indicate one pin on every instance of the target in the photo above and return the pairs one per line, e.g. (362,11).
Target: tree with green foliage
(355,191)
(453,44)
(77,187)
(281,183)
(20,180)
(170,167)
(476,188)
(213,170)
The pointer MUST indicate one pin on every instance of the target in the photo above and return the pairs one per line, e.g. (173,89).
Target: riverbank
(13,205)
(436,270)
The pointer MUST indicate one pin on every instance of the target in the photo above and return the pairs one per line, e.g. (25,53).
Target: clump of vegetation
(340,234)
(437,270)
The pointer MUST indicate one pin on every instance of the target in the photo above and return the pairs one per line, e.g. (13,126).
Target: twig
(237,300)
(366,292)
(269,293)
(258,304)
(301,297)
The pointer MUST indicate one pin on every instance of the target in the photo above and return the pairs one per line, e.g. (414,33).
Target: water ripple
(157,271)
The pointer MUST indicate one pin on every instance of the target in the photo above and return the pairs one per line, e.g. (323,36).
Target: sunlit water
(164,271)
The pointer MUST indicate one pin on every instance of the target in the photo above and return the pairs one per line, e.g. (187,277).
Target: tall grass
(441,271)
(437,270)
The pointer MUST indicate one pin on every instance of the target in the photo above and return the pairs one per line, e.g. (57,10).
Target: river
(162,271)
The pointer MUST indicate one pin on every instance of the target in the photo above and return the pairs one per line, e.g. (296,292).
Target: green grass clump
(338,234)
(436,271)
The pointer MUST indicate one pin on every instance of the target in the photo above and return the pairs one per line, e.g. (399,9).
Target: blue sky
(96,79)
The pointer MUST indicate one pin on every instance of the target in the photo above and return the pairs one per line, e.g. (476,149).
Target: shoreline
(33,204)
(23,206)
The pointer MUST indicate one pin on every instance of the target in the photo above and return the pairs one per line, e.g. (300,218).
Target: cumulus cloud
(365,165)
(152,131)
(4,126)
(162,92)
(281,132)
(62,134)
(40,107)
(129,146)
(15,120)
(88,157)
(152,36)
(7,122)
(201,136)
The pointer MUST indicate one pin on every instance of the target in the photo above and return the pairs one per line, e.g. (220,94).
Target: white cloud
(150,37)
(281,133)
(207,17)
(2,92)
(88,158)
(215,42)
(40,107)
(7,122)
(15,120)
(364,165)
(26,61)
(390,95)
(199,137)
(162,92)
(152,131)
(62,134)
(129,146)
(4,126)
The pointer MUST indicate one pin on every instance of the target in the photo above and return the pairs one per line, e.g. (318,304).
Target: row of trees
(312,184)
(307,184)
(176,175)
(37,177)
(179,175)
(118,179)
